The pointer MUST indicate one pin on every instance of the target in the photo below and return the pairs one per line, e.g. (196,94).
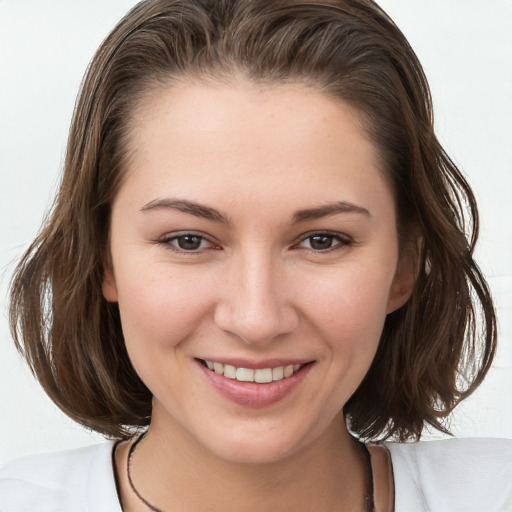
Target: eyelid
(169,237)
(344,240)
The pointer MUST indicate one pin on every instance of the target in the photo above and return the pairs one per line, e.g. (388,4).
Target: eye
(322,242)
(187,242)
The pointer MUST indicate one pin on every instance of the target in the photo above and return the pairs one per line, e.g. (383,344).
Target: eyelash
(343,241)
(167,241)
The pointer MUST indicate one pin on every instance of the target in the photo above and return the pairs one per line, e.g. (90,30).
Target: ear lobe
(399,295)
(109,287)
(405,278)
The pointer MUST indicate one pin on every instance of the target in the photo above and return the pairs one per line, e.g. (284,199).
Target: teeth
(262,375)
(288,370)
(278,373)
(245,375)
(229,371)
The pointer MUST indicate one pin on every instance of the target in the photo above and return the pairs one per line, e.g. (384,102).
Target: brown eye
(321,242)
(188,242)
(324,241)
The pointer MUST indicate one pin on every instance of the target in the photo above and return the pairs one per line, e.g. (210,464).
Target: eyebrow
(211,214)
(181,205)
(328,210)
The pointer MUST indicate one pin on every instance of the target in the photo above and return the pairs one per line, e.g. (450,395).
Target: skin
(255,289)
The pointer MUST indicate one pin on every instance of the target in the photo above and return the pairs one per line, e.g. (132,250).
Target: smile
(263,385)
(260,376)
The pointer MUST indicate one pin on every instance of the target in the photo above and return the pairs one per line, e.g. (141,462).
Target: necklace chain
(369,503)
(128,472)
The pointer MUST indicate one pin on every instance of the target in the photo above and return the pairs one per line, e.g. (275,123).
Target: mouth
(258,375)
(255,384)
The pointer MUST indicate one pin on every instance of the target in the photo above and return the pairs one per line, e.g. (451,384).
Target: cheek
(345,314)
(348,312)
(161,308)
(160,311)
(350,305)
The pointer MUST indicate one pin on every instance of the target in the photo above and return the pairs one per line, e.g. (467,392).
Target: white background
(45,45)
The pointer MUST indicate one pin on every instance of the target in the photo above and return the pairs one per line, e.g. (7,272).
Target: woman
(256,261)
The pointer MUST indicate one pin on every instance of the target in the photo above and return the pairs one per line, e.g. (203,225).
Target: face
(254,234)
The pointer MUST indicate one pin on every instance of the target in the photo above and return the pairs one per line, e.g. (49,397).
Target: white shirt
(455,475)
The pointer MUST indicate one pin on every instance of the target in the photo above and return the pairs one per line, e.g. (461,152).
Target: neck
(172,472)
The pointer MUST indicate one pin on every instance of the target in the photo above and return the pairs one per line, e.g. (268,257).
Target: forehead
(246,108)
(244,141)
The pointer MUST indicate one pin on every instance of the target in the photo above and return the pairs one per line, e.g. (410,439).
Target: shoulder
(452,475)
(78,480)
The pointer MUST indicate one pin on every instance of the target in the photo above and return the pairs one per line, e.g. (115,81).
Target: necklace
(128,474)
(369,484)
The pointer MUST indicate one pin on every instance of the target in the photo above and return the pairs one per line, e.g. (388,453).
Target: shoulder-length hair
(434,351)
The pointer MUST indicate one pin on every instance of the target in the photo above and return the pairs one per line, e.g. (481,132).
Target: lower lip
(251,394)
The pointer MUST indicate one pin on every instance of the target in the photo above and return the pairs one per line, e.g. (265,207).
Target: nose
(254,305)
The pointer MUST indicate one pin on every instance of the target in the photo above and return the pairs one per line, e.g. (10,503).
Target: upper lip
(257,364)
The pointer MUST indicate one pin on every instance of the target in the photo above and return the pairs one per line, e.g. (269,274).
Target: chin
(263,445)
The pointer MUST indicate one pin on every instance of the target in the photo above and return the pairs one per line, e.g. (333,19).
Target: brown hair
(434,351)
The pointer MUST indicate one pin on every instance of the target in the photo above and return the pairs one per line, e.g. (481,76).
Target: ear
(109,287)
(405,276)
